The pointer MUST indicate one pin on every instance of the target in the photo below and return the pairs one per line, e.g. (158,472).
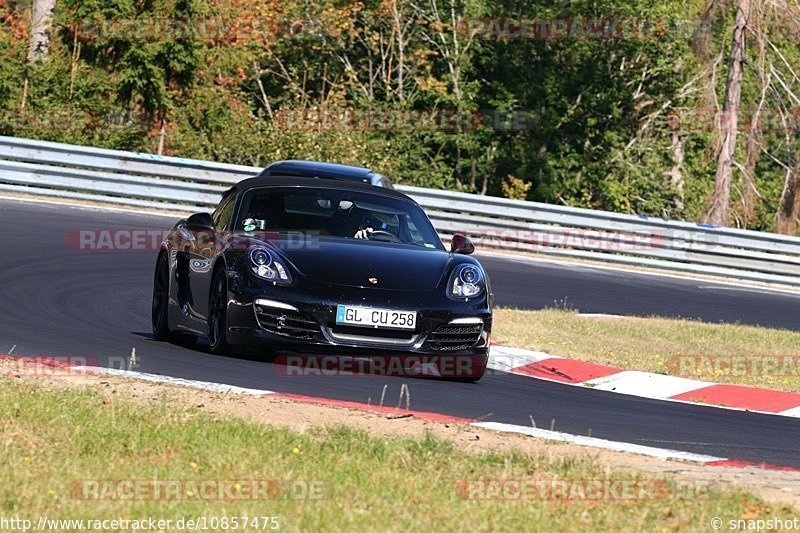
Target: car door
(205,248)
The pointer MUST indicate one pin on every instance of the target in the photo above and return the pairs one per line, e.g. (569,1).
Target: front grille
(454,337)
(286,323)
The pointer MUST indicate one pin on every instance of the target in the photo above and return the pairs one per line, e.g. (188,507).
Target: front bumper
(305,316)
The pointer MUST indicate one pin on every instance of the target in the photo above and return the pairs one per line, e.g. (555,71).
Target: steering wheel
(383,236)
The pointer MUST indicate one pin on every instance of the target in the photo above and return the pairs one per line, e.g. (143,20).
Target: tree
(42,19)
(720,200)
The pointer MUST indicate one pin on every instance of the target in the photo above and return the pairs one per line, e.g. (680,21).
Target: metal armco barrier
(146,180)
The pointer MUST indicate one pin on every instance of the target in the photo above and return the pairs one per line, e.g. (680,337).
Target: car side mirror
(460,244)
(201,220)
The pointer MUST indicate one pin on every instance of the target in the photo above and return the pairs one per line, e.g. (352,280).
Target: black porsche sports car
(326,265)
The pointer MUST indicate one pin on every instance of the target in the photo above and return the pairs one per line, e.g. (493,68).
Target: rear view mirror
(461,245)
(201,220)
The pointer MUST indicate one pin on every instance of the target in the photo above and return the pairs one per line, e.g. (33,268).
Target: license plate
(370,317)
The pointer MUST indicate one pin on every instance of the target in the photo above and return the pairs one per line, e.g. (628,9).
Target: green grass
(53,438)
(657,345)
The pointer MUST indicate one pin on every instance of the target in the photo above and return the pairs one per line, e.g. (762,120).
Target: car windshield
(336,213)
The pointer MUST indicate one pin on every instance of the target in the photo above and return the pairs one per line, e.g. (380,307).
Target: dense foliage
(570,119)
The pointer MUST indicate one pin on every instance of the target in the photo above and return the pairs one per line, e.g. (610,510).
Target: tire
(160,307)
(466,380)
(476,375)
(217,314)
(184,339)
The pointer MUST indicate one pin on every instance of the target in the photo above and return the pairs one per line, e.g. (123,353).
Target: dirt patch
(772,485)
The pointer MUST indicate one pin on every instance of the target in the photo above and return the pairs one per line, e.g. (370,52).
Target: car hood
(352,263)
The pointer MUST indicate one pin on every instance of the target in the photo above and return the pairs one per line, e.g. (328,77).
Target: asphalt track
(56,300)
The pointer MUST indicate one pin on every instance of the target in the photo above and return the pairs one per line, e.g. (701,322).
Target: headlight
(266,265)
(466,281)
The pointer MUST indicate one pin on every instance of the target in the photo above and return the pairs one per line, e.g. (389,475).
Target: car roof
(318,168)
(306,182)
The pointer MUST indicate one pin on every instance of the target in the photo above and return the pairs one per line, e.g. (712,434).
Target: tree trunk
(754,137)
(41,21)
(720,200)
(161,135)
(676,172)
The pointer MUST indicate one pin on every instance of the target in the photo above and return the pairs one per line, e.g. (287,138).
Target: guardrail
(146,180)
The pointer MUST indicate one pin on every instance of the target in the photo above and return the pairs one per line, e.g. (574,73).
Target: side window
(223,213)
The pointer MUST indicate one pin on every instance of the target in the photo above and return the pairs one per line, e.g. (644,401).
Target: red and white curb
(660,453)
(541,365)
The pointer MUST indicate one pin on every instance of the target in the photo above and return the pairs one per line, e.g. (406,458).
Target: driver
(374,221)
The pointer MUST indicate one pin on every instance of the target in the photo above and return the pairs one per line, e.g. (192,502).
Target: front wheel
(160,309)
(217,314)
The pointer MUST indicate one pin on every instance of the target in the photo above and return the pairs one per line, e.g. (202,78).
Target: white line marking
(741,289)
(157,378)
(602,315)
(506,359)
(794,412)
(88,207)
(660,453)
(646,384)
